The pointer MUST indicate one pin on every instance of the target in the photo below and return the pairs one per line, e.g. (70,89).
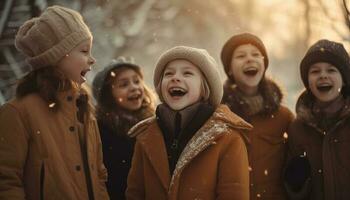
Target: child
(193,148)
(257,100)
(50,145)
(123,100)
(320,132)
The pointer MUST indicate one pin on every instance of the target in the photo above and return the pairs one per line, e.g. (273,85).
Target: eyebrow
(126,79)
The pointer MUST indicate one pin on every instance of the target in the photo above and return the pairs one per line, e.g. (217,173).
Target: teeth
(177,89)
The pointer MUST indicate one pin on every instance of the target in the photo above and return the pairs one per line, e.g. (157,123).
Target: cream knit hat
(46,39)
(201,59)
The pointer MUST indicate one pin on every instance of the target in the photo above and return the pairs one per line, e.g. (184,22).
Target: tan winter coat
(40,155)
(267,147)
(213,165)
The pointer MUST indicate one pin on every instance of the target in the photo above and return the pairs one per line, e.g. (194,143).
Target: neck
(248,90)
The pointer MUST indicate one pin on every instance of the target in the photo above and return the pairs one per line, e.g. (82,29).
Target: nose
(92,60)
(323,75)
(175,78)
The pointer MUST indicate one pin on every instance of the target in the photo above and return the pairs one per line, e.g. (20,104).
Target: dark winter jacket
(267,148)
(118,148)
(213,164)
(326,149)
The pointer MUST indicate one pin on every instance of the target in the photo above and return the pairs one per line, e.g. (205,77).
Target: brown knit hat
(46,39)
(201,59)
(237,40)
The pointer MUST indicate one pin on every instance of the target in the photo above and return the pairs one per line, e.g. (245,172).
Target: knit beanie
(236,41)
(200,58)
(46,39)
(330,52)
(100,80)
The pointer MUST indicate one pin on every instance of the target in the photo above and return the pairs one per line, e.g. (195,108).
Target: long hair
(108,110)
(47,82)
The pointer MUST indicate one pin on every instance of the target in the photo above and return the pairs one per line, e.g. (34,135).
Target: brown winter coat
(40,155)
(213,165)
(328,151)
(267,147)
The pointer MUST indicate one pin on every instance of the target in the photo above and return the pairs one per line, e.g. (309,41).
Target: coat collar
(270,91)
(304,111)
(219,123)
(150,136)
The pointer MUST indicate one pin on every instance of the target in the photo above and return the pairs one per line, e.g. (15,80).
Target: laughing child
(193,148)
(123,99)
(257,99)
(321,130)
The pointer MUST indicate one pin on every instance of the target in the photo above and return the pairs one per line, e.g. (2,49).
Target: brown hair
(107,107)
(47,82)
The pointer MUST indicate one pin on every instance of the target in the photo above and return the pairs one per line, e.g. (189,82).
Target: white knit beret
(200,58)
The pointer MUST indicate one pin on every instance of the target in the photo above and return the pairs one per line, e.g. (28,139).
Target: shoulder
(141,126)
(233,127)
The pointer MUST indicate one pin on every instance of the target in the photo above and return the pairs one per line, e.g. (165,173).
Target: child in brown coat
(193,148)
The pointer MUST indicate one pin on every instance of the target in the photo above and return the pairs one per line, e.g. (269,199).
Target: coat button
(78,168)
(319,171)
(71,128)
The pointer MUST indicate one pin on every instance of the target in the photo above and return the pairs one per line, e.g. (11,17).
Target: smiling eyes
(243,55)
(126,83)
(184,73)
(329,70)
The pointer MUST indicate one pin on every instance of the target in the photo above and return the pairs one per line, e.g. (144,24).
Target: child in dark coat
(123,100)
(320,134)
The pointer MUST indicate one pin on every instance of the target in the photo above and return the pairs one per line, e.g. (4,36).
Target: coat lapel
(221,121)
(156,153)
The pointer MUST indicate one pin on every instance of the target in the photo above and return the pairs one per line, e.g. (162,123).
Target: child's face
(247,66)
(128,90)
(78,62)
(325,81)
(181,84)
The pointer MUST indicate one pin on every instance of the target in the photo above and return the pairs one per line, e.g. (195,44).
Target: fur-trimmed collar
(304,112)
(269,90)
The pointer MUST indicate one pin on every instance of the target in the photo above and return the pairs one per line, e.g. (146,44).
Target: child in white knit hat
(50,144)
(193,148)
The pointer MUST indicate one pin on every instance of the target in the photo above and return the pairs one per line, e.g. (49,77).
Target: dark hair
(108,109)
(46,82)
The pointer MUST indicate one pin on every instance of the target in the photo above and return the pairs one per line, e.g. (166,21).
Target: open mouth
(251,71)
(83,73)
(324,88)
(134,97)
(177,92)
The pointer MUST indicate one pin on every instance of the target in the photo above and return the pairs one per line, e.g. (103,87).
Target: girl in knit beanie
(123,99)
(50,145)
(257,99)
(193,148)
(320,132)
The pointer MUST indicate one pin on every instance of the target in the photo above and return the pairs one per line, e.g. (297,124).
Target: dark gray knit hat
(326,51)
